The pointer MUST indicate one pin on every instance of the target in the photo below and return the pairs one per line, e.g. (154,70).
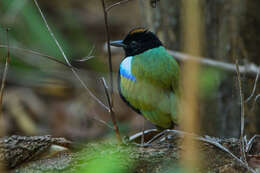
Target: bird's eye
(134,43)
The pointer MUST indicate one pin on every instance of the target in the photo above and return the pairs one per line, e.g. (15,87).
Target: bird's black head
(138,41)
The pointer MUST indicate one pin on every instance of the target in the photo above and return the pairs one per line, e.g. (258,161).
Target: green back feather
(155,92)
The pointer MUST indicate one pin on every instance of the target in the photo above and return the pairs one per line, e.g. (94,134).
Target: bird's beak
(118,43)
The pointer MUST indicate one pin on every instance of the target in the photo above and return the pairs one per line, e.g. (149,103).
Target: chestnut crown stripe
(138,30)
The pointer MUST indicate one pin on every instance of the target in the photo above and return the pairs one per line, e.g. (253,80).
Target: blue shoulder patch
(125,68)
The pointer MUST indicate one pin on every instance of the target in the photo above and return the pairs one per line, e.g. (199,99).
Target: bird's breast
(126,69)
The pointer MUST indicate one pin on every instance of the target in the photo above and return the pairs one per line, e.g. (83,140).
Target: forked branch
(110,94)
(67,60)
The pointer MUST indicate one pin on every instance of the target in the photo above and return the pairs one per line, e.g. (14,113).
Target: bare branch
(137,135)
(36,53)
(206,139)
(102,122)
(66,59)
(142,139)
(116,4)
(242,122)
(85,59)
(156,136)
(111,112)
(109,51)
(250,69)
(253,91)
(243,163)
(257,97)
(255,101)
(250,143)
(103,81)
(110,97)
(7,61)
(51,33)
(90,56)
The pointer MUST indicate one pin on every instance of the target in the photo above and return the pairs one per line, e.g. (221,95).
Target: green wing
(155,91)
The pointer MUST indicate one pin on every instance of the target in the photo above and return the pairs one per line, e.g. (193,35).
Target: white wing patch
(125,68)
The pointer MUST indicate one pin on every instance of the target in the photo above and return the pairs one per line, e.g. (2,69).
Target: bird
(148,78)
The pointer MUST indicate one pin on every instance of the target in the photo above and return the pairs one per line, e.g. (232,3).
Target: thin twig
(257,97)
(89,56)
(109,52)
(102,122)
(112,114)
(242,122)
(156,136)
(142,139)
(7,61)
(66,59)
(250,69)
(85,59)
(243,163)
(51,33)
(36,53)
(206,139)
(91,50)
(255,101)
(103,81)
(250,143)
(116,4)
(253,91)
(137,135)
(110,97)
